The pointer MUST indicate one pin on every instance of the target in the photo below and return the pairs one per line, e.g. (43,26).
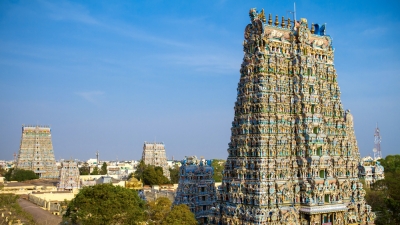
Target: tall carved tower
(154,154)
(69,176)
(293,155)
(196,188)
(36,152)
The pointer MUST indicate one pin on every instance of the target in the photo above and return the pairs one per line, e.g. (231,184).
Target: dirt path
(40,215)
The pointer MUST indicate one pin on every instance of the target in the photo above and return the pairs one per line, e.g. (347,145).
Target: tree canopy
(105,204)
(95,171)
(218,166)
(85,169)
(384,195)
(103,170)
(180,215)
(20,175)
(174,174)
(150,175)
(157,210)
(160,213)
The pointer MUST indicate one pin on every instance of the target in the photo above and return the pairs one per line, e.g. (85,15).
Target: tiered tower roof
(154,154)
(196,188)
(36,151)
(293,155)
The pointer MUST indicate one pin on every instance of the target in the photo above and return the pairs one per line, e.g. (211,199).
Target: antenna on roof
(292,12)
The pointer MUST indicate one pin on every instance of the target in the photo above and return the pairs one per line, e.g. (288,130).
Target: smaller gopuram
(196,188)
(69,176)
(36,152)
(154,154)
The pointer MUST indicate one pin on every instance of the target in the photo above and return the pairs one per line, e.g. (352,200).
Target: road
(40,215)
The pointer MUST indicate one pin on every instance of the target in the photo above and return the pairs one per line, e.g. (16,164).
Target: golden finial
(276,21)
(270,19)
(283,22)
(312,28)
(262,16)
(288,23)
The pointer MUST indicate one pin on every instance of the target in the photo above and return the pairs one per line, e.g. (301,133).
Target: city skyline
(109,76)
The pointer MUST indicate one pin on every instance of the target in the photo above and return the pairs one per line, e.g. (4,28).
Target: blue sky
(109,75)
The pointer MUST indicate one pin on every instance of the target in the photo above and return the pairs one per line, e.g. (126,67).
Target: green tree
(218,166)
(2,171)
(157,210)
(8,174)
(103,170)
(105,204)
(150,175)
(85,169)
(95,171)
(174,174)
(154,176)
(139,170)
(180,215)
(384,195)
(130,175)
(20,175)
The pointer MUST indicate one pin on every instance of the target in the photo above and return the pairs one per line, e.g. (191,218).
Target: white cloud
(69,11)
(90,96)
(377,31)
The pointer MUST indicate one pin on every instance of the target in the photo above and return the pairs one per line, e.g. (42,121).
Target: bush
(20,175)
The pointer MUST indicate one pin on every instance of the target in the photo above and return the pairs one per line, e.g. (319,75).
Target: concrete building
(371,171)
(154,154)
(36,152)
(110,180)
(293,156)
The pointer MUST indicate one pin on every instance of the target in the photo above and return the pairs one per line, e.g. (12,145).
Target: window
(322,173)
(315,131)
(326,198)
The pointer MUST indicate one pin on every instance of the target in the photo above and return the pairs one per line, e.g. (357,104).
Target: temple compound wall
(196,188)
(154,154)
(69,176)
(293,156)
(36,152)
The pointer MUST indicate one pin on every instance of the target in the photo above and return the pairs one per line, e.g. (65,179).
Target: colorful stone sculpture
(196,188)
(154,154)
(293,156)
(69,176)
(36,152)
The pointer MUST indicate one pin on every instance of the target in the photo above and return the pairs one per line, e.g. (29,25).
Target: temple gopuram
(293,156)
(69,176)
(36,152)
(154,154)
(196,188)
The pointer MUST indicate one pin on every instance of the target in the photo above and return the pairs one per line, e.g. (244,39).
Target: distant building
(154,154)
(69,176)
(110,180)
(36,152)
(196,188)
(92,162)
(370,170)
